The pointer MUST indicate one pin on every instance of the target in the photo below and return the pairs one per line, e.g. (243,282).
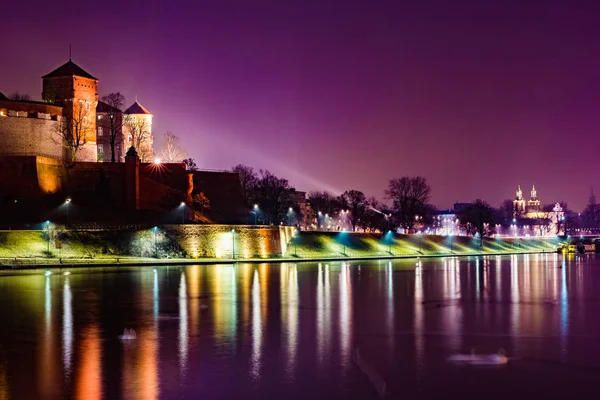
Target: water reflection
(183,325)
(345,314)
(323,314)
(67,329)
(289,314)
(256,328)
(89,369)
(407,315)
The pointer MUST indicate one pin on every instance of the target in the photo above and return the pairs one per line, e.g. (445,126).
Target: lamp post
(67,202)
(155,242)
(255,213)
(451,245)
(233,244)
(182,205)
(48,233)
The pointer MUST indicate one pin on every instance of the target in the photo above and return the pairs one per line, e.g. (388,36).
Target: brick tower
(76,91)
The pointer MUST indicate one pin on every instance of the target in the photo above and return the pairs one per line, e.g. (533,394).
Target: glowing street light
(67,203)
(255,212)
(48,233)
(157,161)
(233,244)
(182,205)
(155,229)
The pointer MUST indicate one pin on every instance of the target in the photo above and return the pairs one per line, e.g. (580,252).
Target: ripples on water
(290,330)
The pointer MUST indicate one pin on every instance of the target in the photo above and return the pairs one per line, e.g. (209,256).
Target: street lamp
(451,244)
(48,233)
(67,202)
(182,205)
(233,244)
(255,212)
(155,229)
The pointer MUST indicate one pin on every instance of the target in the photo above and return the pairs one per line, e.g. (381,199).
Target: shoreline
(39,263)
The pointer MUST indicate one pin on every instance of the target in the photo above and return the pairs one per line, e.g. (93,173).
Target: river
(290,330)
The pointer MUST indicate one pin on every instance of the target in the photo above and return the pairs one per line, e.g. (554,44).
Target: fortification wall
(21,135)
(219,240)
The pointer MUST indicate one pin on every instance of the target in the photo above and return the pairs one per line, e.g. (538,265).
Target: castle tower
(76,91)
(519,204)
(137,131)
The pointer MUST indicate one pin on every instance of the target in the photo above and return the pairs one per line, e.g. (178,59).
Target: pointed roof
(137,108)
(103,107)
(68,69)
(3,97)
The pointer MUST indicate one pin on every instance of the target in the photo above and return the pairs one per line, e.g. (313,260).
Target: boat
(498,358)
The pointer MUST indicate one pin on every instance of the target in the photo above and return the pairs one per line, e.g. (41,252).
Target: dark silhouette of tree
(356,203)
(377,216)
(19,96)
(248,181)
(190,164)
(506,212)
(477,218)
(274,196)
(410,196)
(115,101)
(75,129)
(324,203)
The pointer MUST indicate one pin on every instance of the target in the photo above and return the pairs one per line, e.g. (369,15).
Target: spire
(519,193)
(70,53)
(533,193)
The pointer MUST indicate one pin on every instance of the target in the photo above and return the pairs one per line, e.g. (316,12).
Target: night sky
(475,96)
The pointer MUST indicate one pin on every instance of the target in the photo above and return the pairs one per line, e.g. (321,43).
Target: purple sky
(475,96)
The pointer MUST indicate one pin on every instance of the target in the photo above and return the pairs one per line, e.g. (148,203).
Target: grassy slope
(33,244)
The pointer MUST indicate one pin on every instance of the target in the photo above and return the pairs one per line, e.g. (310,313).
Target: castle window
(100,131)
(87,105)
(100,149)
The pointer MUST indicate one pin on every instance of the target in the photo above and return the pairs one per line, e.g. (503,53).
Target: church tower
(519,204)
(76,91)
(533,205)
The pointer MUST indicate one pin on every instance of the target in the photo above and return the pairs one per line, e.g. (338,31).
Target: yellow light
(157,161)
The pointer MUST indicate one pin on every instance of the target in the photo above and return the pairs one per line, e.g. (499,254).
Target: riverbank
(49,263)
(179,246)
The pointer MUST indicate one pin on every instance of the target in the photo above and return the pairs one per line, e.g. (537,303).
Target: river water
(291,330)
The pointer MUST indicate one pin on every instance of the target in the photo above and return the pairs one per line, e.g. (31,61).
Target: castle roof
(68,69)
(137,108)
(3,97)
(103,107)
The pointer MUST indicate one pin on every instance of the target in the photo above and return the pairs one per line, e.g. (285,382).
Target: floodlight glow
(157,161)
(182,204)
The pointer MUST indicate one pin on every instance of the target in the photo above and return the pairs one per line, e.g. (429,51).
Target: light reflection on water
(289,330)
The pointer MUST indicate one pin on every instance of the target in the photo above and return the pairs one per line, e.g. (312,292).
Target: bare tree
(19,96)
(323,203)
(75,129)
(115,101)
(248,181)
(190,164)
(410,196)
(141,138)
(477,218)
(171,151)
(356,202)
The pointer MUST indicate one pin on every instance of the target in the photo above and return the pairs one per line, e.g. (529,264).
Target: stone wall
(248,241)
(24,136)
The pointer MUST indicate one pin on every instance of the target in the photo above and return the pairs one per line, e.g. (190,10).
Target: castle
(70,123)
(51,155)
